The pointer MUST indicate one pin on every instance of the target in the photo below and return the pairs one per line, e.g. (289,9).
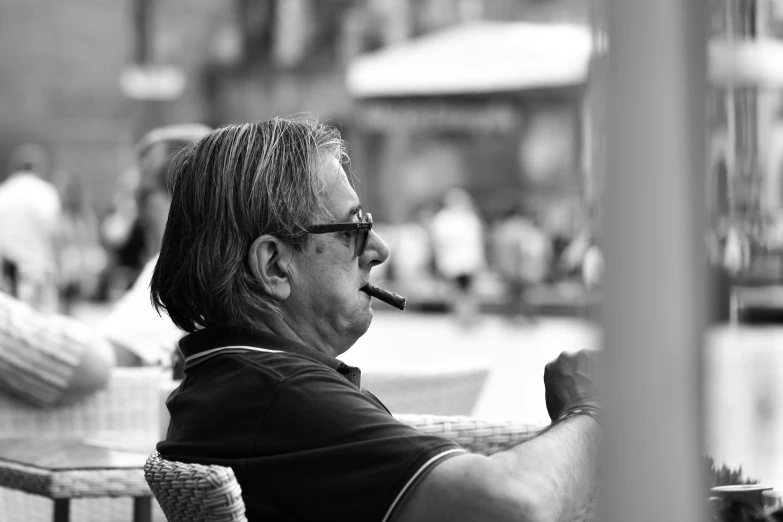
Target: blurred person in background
(412,260)
(140,335)
(458,247)
(30,213)
(559,222)
(593,266)
(736,249)
(81,257)
(582,259)
(264,256)
(720,281)
(123,237)
(522,256)
(51,359)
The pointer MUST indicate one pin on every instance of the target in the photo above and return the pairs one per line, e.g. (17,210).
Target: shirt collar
(213,339)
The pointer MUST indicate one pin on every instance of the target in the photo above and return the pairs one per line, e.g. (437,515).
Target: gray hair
(228,188)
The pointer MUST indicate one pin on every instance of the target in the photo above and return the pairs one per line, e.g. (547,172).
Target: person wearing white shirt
(30,211)
(139,334)
(458,245)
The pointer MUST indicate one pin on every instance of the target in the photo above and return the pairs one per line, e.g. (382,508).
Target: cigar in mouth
(390,298)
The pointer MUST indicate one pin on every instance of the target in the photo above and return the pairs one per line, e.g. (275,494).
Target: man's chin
(363,322)
(359,327)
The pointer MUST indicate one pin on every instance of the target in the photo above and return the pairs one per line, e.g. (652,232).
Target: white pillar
(654,307)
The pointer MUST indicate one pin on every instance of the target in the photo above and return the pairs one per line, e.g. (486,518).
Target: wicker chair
(130,404)
(195,492)
(210,493)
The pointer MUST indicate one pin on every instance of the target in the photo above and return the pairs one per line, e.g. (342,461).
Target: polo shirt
(305,440)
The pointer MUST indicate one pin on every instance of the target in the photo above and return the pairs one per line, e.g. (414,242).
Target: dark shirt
(305,441)
(133,253)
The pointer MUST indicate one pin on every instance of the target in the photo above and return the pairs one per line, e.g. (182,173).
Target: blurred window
(744,18)
(294,34)
(717,107)
(719,18)
(722,189)
(257,26)
(745,117)
(775,18)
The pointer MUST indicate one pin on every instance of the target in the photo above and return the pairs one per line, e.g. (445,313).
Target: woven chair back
(195,492)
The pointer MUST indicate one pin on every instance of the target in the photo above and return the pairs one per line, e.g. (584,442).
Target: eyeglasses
(362,229)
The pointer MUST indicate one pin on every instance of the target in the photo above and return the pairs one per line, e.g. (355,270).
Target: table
(63,468)
(743,395)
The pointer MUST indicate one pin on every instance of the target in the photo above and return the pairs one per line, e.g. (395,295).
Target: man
(141,336)
(271,297)
(30,212)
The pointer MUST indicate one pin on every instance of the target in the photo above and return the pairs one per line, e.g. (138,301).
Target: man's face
(326,276)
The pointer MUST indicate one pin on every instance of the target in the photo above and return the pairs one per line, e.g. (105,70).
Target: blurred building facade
(745,182)
(65,78)
(61,70)
(296,54)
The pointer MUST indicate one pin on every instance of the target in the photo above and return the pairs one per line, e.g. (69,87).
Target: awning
(439,114)
(756,62)
(476,58)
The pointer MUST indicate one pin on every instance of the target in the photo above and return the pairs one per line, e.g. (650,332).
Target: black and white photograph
(391,260)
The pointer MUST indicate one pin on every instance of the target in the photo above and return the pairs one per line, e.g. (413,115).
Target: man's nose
(377,251)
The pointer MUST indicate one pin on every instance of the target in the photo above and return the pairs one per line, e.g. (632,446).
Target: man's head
(237,252)
(154,153)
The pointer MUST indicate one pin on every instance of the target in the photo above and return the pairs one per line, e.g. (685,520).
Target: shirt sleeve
(134,324)
(338,455)
(39,354)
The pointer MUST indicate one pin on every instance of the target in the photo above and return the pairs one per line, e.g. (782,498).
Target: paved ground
(514,354)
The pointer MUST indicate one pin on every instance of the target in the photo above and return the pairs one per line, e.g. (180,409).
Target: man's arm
(548,478)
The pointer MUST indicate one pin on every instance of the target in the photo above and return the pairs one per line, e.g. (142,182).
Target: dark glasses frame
(362,231)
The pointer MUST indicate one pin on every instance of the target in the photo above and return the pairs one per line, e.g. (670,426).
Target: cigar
(397,301)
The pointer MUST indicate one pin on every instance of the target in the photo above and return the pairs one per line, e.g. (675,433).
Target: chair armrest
(487,436)
(192,492)
(477,435)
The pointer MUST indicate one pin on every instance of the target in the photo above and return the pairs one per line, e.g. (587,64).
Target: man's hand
(568,381)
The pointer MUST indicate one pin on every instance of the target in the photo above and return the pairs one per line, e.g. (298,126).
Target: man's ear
(269,258)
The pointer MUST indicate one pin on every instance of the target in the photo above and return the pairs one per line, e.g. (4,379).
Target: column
(654,308)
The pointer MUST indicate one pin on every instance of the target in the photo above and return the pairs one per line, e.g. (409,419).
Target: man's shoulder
(248,382)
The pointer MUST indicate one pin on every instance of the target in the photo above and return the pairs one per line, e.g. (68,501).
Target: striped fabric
(38,353)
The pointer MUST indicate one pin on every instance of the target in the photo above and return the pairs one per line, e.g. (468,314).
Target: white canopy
(476,58)
(756,62)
